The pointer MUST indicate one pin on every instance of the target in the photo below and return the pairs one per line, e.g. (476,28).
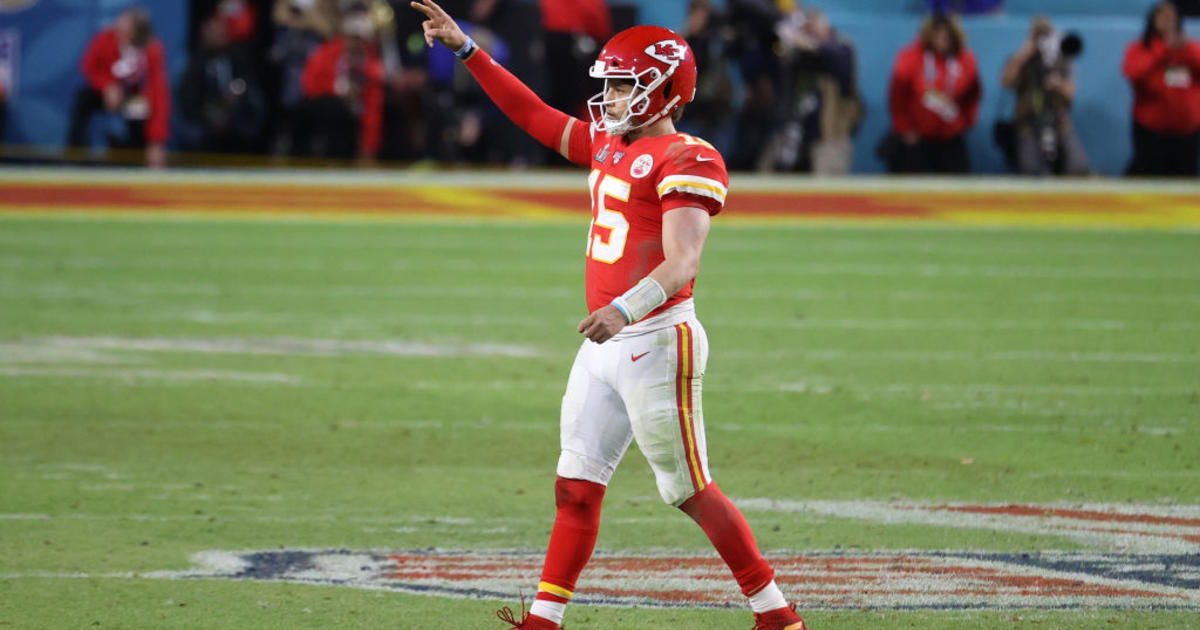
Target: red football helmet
(662,68)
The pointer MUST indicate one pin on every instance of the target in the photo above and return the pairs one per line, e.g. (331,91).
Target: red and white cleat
(779,619)
(527,621)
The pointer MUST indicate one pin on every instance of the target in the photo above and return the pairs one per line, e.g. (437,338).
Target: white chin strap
(637,101)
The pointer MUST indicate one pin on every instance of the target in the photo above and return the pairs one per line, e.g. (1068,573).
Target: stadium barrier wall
(53,34)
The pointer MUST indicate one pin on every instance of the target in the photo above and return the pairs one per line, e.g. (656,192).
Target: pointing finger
(422,8)
(436,8)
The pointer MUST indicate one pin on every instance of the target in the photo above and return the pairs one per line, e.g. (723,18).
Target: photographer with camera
(1042,75)
(1164,69)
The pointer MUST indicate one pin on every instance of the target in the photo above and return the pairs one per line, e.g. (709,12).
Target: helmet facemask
(637,101)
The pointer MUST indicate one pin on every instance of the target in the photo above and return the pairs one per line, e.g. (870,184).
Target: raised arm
(1012,68)
(569,136)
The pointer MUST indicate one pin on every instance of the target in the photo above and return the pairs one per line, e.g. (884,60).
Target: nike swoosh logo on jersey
(701,158)
(635,357)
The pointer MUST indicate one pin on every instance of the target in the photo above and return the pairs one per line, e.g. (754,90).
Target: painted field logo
(916,580)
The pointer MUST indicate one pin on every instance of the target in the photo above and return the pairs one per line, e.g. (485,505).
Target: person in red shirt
(343,87)
(574,31)
(125,69)
(639,371)
(934,101)
(240,19)
(1164,70)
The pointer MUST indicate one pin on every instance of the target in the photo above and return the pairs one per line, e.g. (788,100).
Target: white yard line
(130,375)
(1102,532)
(872,355)
(944,391)
(974,272)
(970,324)
(93,349)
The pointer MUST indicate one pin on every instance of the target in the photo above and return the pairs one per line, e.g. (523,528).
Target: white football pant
(643,384)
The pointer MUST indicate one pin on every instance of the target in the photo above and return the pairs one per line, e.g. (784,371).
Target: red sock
(573,538)
(731,535)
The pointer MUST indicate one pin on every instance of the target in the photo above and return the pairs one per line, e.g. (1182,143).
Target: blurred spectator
(1164,68)
(221,101)
(574,32)
(824,109)
(3,104)
(300,26)
(408,104)
(435,110)
(754,47)
(965,7)
(342,115)
(8,44)
(125,69)
(239,19)
(1042,75)
(708,112)
(934,100)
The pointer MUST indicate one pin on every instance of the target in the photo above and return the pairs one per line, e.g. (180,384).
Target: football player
(639,371)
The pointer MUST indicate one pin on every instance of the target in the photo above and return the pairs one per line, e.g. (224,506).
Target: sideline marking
(548,196)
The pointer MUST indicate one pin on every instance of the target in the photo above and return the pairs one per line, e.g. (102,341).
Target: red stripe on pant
(685,354)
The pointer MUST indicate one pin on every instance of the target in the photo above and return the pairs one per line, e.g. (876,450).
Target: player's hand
(439,26)
(602,324)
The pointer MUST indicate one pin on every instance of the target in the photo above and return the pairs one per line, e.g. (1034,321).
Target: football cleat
(779,619)
(527,621)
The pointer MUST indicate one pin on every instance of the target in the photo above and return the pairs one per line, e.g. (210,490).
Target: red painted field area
(551,196)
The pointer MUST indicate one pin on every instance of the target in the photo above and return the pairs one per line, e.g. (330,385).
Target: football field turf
(236,423)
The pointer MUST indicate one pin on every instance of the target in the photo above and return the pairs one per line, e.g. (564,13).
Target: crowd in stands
(777,91)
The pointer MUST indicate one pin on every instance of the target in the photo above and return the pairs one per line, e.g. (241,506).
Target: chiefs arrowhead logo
(667,51)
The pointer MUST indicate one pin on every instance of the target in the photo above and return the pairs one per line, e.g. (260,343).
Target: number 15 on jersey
(607,250)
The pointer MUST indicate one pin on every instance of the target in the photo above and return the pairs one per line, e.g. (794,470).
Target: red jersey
(328,66)
(633,184)
(239,19)
(1166,86)
(577,16)
(139,72)
(936,97)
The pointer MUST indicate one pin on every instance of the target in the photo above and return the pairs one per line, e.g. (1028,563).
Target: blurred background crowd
(781,86)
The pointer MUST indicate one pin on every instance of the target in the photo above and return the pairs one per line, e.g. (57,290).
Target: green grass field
(169,387)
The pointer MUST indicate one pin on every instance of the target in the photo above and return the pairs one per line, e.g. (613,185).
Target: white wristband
(637,302)
(468,47)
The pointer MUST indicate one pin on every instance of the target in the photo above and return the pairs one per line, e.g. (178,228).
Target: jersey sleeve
(693,175)
(557,130)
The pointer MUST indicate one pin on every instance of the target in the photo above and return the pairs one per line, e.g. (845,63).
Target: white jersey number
(610,250)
